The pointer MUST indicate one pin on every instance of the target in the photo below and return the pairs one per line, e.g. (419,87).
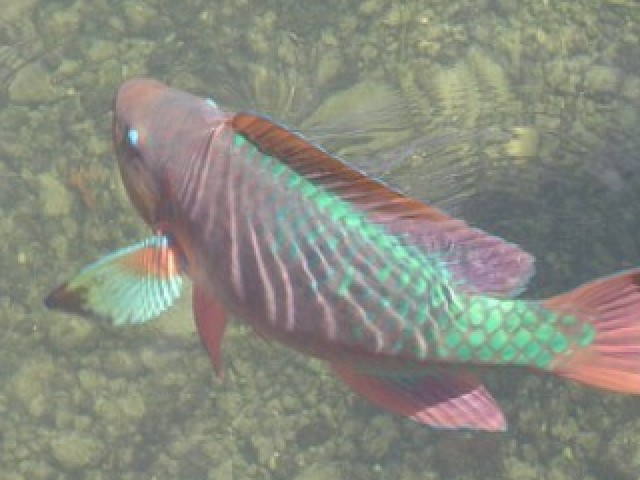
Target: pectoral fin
(439,399)
(129,286)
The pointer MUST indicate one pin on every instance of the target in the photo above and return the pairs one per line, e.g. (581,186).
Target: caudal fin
(610,359)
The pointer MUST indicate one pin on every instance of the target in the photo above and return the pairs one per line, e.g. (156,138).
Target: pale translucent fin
(130,286)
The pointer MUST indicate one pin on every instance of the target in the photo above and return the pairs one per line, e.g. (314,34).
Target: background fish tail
(607,353)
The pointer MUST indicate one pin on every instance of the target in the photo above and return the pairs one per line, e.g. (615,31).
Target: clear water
(521,117)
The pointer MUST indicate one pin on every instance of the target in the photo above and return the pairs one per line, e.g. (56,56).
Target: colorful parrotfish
(400,299)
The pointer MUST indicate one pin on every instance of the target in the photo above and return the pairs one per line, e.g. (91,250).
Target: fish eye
(133,137)
(129,141)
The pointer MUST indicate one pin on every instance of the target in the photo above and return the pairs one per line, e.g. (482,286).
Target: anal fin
(439,399)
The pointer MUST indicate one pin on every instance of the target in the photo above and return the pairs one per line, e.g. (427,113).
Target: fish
(406,304)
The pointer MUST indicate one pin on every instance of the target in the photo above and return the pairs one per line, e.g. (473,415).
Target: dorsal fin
(329,172)
(481,262)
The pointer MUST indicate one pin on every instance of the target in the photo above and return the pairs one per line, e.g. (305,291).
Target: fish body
(397,296)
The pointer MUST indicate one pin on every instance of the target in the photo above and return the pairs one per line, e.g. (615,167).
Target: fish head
(135,100)
(157,130)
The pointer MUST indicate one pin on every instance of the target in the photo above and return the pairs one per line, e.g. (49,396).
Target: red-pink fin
(479,261)
(608,351)
(211,321)
(439,399)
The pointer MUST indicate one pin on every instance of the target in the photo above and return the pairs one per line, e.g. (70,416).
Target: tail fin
(612,306)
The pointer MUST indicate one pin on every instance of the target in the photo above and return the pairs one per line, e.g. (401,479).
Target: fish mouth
(136,178)
(137,182)
(138,185)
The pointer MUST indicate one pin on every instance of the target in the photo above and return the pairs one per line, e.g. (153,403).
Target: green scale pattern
(413,285)
(397,279)
(517,332)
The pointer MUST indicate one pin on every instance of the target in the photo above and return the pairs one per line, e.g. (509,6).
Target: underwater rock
(13,476)
(525,143)
(557,75)
(71,333)
(631,88)
(64,21)
(122,411)
(263,447)
(379,436)
(76,450)
(224,471)
(397,15)
(623,451)
(32,379)
(32,85)
(602,79)
(102,50)
(324,471)
(139,15)
(12,10)
(120,363)
(371,7)
(132,406)
(90,380)
(329,68)
(55,199)
(37,406)
(515,468)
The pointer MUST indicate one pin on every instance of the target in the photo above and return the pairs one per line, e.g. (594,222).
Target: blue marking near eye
(211,102)
(133,136)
